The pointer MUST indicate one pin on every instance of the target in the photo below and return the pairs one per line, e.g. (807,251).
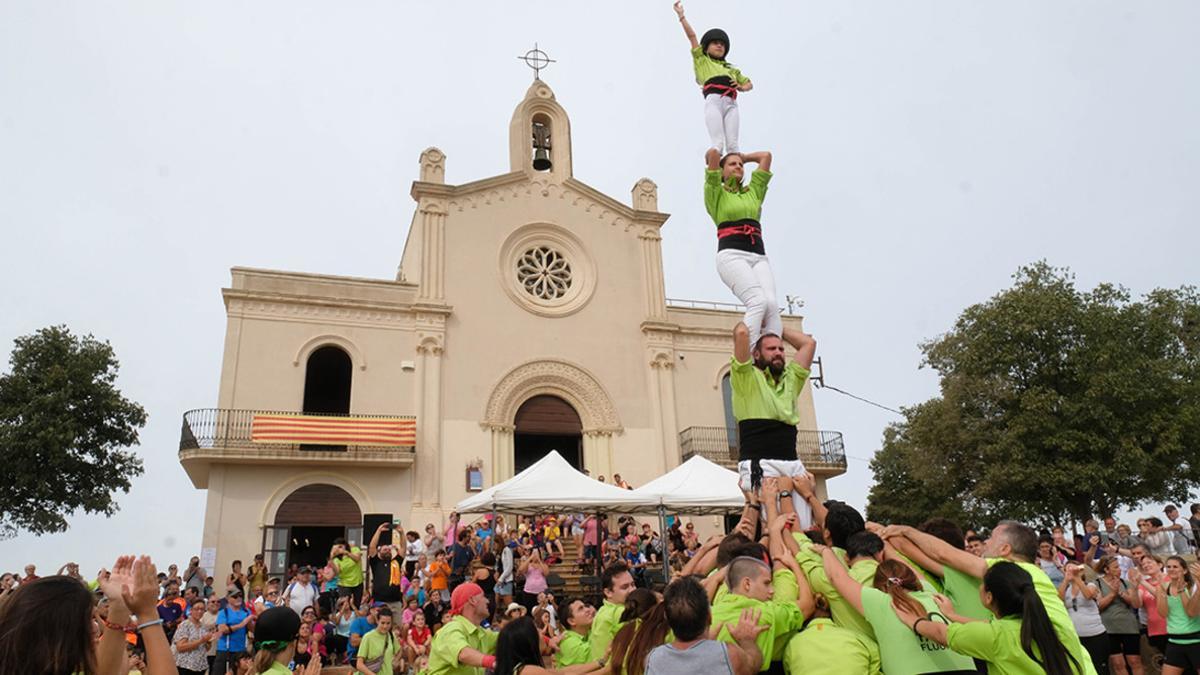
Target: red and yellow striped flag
(323,430)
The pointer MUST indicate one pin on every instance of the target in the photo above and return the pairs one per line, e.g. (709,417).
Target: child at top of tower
(720,83)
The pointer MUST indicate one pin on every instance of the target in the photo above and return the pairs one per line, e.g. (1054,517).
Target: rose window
(544,273)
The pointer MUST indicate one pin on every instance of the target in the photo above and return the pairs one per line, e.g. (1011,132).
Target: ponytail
(264,658)
(899,581)
(631,647)
(1013,593)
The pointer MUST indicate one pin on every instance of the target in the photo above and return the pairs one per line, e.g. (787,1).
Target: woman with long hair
(46,625)
(896,588)
(1021,639)
(1119,602)
(1178,599)
(644,627)
(485,576)
(518,652)
(505,571)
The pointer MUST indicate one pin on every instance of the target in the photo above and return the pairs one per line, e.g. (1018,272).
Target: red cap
(462,595)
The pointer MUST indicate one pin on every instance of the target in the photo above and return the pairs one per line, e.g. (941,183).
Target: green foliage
(1055,403)
(63,430)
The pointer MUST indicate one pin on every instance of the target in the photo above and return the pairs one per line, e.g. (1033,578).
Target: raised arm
(939,550)
(741,342)
(804,344)
(763,159)
(805,486)
(687,27)
(847,587)
(373,546)
(905,547)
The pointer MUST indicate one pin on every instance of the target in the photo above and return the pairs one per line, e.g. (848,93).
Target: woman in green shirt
(895,588)
(1178,599)
(1019,641)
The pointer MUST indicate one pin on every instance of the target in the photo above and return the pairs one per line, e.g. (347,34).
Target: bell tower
(540,136)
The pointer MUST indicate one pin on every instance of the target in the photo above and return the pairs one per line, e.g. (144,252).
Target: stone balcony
(226,436)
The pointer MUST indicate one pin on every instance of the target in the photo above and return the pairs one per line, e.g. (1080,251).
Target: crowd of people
(845,596)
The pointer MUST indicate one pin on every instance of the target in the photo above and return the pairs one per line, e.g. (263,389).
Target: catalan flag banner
(321,430)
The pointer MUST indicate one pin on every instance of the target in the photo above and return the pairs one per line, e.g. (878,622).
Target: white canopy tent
(696,487)
(550,485)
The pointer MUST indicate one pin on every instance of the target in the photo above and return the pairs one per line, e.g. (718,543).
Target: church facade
(529,315)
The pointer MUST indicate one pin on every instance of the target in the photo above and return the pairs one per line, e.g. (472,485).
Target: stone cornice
(322,310)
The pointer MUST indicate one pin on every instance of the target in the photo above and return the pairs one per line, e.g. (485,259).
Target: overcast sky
(923,151)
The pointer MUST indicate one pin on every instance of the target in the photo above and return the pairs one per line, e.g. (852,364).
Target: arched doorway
(306,524)
(544,423)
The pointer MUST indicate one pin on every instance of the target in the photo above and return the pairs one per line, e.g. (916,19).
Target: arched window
(731,426)
(327,381)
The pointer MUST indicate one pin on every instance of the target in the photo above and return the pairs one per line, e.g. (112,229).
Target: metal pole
(662,540)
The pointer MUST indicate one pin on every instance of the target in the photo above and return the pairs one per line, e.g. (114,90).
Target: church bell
(541,147)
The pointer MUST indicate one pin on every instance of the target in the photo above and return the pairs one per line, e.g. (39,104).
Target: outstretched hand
(679,8)
(141,596)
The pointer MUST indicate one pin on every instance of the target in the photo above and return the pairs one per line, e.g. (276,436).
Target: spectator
(553,535)
(30,574)
(1118,602)
(257,578)
(534,569)
(433,540)
(232,623)
(275,637)
(301,592)
(504,582)
(453,528)
(236,579)
(1152,535)
(365,622)
(620,482)
(591,539)
(377,649)
(438,573)
(343,619)
(1195,521)
(347,561)
(1180,530)
(194,575)
(414,549)
(1178,599)
(416,643)
(389,580)
(485,576)
(686,609)
(1124,538)
(461,555)
(191,642)
(1051,560)
(308,645)
(171,609)
(461,642)
(1153,623)
(1080,598)
(208,622)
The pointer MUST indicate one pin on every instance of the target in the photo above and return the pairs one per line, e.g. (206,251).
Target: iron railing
(227,428)
(817,449)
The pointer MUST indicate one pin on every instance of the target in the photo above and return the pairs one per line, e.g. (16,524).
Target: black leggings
(185,671)
(1097,649)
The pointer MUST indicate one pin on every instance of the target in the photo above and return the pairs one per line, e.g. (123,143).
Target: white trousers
(721,118)
(775,468)
(750,278)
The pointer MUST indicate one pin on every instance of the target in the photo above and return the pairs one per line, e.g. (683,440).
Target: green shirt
(963,591)
(781,615)
(825,648)
(756,397)
(349,570)
(605,625)
(1178,621)
(279,669)
(729,203)
(843,612)
(573,649)
(707,68)
(998,642)
(1057,612)
(902,651)
(452,639)
(375,644)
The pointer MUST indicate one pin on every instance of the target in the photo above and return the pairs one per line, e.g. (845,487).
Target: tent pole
(662,541)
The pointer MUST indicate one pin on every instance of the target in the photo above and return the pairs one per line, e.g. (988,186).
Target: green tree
(1055,403)
(64,428)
